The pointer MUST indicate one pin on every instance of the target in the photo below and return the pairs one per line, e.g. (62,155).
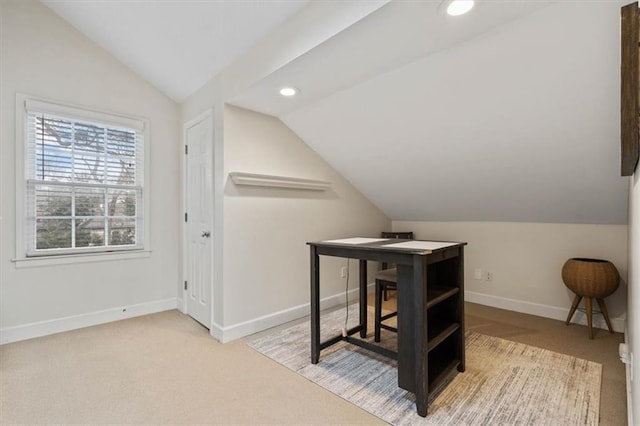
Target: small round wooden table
(590,278)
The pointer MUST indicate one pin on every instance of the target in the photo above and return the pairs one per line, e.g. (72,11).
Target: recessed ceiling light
(289,91)
(458,7)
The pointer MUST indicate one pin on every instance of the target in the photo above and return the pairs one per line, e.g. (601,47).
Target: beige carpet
(505,382)
(166,369)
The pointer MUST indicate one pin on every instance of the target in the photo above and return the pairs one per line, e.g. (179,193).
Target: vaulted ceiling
(176,45)
(509,113)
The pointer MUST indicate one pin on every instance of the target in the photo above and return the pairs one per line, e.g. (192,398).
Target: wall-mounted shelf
(251,179)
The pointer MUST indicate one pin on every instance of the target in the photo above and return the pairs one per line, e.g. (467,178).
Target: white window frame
(77,255)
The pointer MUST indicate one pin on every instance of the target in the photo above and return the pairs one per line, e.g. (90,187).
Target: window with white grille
(84,181)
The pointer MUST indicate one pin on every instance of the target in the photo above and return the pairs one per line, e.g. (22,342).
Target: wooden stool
(383,279)
(591,279)
(386,280)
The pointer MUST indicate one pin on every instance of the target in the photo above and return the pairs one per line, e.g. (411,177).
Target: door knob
(206,234)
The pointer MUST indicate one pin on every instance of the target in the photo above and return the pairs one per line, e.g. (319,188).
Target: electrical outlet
(477,274)
(488,276)
(343,272)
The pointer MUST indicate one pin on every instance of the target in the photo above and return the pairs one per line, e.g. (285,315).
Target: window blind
(84,181)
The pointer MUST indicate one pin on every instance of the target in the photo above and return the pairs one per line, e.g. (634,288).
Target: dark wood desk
(430,299)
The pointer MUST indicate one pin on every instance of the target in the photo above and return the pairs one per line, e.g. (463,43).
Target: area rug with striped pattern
(504,383)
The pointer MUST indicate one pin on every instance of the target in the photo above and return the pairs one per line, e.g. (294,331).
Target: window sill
(28,262)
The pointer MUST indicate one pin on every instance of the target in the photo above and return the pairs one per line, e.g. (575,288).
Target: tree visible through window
(84,185)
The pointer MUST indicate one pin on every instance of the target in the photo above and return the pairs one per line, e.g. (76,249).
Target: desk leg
(363,298)
(404,295)
(420,333)
(315,306)
(413,373)
(461,344)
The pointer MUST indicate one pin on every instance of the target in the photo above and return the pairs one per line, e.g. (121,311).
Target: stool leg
(574,306)
(378,311)
(386,293)
(587,303)
(605,314)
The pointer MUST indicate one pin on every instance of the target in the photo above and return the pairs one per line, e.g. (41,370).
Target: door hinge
(185,217)
(185,285)
(186,149)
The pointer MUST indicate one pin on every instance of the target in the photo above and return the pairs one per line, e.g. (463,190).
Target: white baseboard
(628,377)
(546,311)
(629,396)
(236,331)
(58,325)
(217,332)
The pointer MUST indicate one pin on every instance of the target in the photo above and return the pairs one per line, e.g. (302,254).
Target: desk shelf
(443,356)
(436,295)
(439,332)
(442,367)
(445,319)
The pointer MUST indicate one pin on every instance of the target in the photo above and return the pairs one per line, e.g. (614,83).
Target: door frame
(206,115)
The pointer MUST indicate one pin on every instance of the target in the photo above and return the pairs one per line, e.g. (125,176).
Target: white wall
(526,261)
(316,23)
(266,259)
(633,320)
(41,55)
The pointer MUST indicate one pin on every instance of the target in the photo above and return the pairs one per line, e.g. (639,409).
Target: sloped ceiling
(515,121)
(508,113)
(176,45)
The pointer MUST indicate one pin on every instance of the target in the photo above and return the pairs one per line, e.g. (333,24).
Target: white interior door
(199,219)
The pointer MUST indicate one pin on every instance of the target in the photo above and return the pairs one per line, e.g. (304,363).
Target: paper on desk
(422,245)
(356,240)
